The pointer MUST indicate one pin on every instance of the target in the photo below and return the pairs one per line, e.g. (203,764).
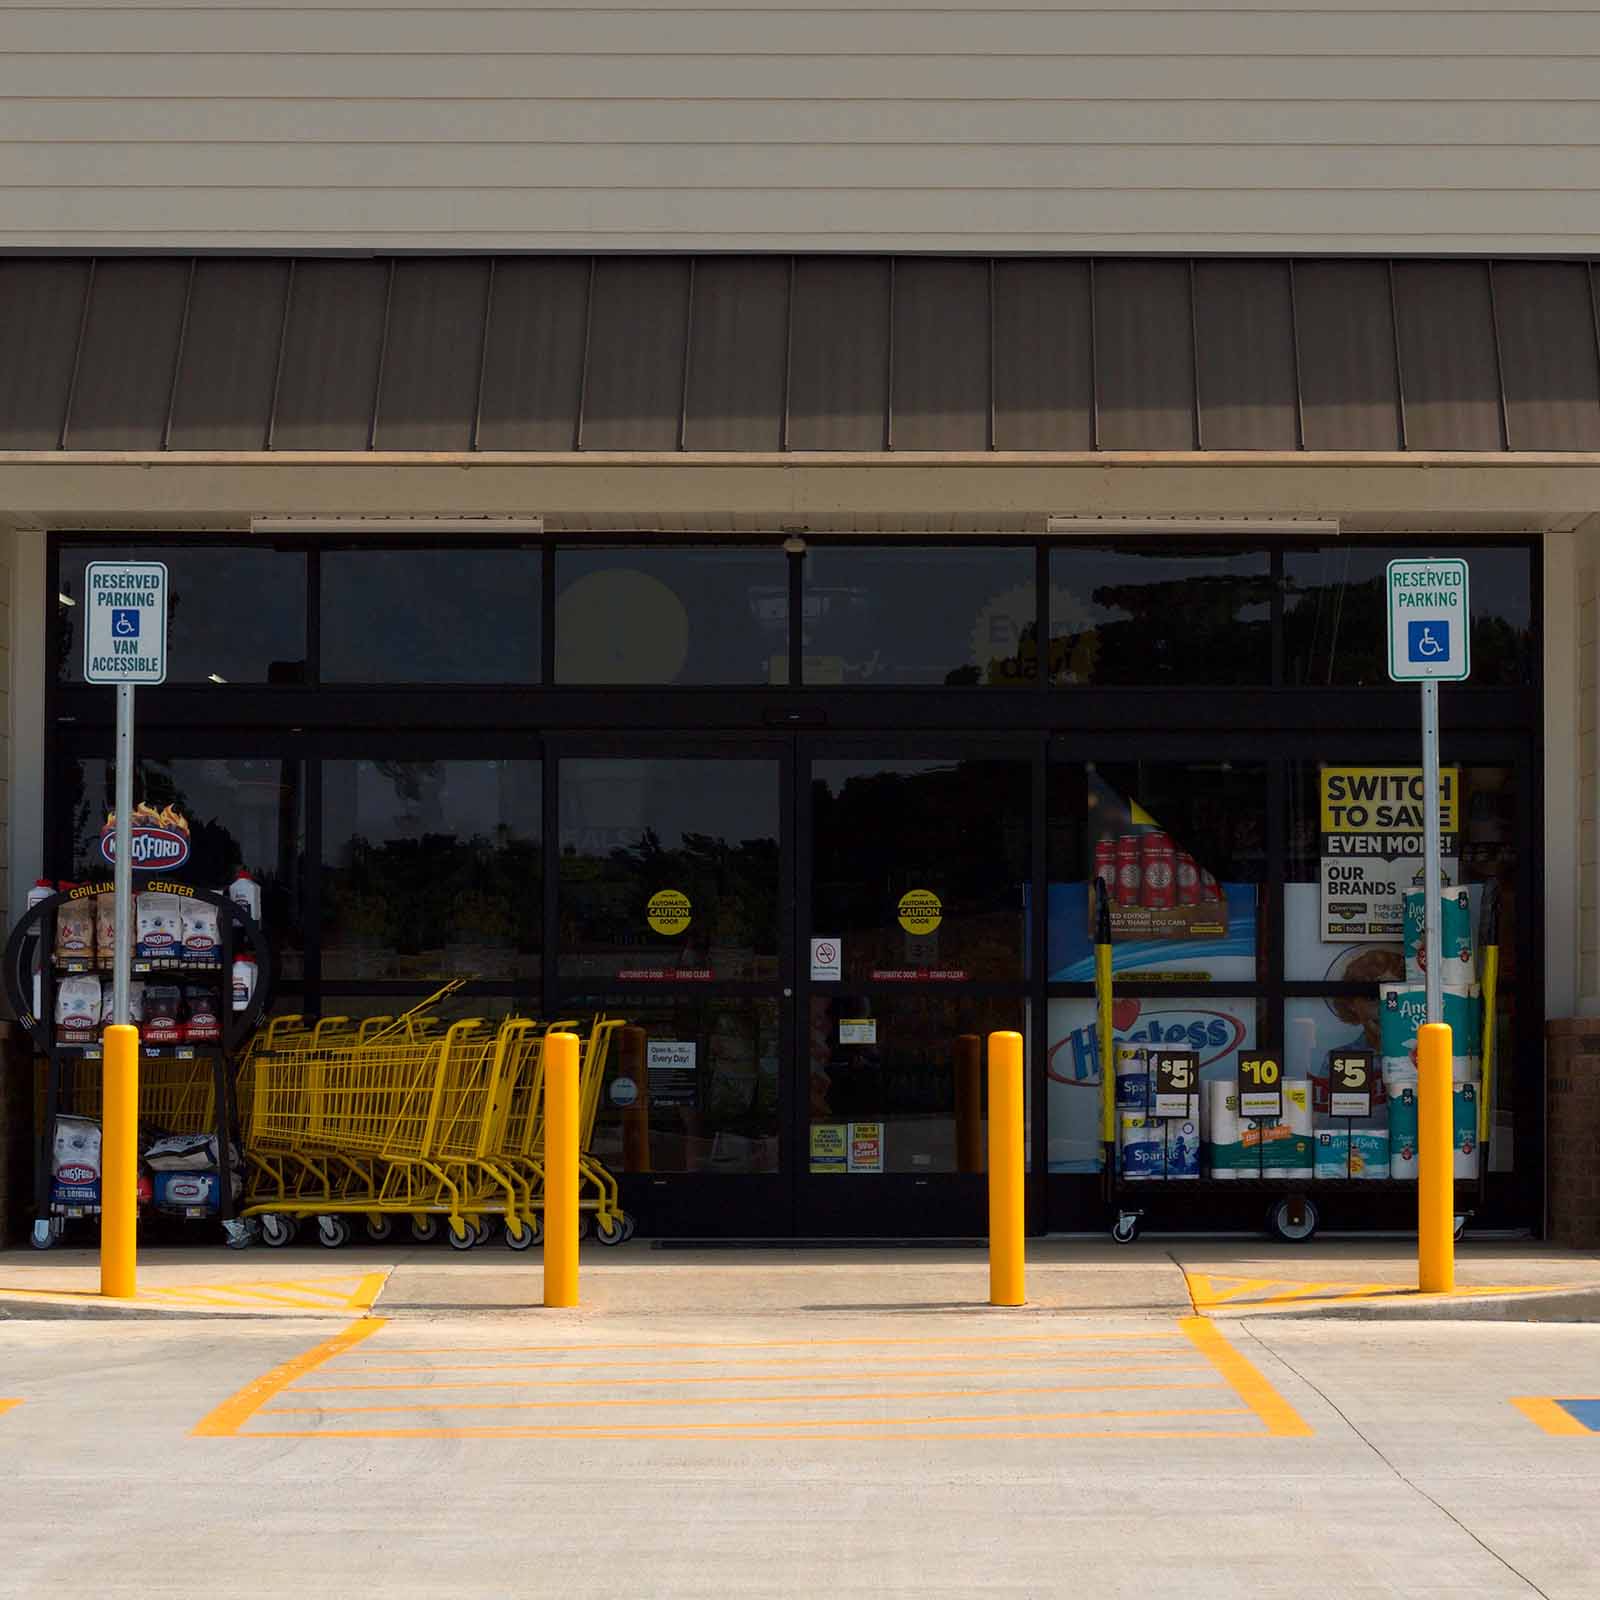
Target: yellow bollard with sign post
(119,1164)
(1436,1184)
(1006,1186)
(561,1169)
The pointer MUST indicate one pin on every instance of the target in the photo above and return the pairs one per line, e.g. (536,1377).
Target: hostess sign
(160,839)
(125,622)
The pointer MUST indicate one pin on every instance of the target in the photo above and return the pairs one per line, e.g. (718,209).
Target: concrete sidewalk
(1155,1277)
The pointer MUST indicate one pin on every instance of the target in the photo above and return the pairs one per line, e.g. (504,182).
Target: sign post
(1430,642)
(124,643)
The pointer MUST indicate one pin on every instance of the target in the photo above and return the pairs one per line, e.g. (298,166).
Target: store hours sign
(1371,847)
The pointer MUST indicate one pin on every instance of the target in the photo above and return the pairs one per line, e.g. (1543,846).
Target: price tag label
(1350,1083)
(1261,1088)
(1177,1083)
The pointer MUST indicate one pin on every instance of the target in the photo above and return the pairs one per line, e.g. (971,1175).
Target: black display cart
(34,971)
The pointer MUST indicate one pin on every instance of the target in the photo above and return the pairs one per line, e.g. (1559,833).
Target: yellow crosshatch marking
(1199,1386)
(1552,1414)
(8,1405)
(1211,1290)
(341,1295)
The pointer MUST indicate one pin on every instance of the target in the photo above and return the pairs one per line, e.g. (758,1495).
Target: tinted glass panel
(241,813)
(920,867)
(233,615)
(897,1082)
(1183,849)
(669,870)
(430,616)
(672,616)
(691,1085)
(1334,610)
(888,617)
(431,869)
(1160,615)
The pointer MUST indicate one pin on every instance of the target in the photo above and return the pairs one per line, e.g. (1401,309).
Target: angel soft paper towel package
(1402,1010)
(1352,1152)
(1456,962)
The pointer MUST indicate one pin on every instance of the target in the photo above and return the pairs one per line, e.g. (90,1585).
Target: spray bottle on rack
(244,980)
(41,891)
(245,893)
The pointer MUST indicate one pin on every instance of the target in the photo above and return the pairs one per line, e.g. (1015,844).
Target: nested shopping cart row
(410,1117)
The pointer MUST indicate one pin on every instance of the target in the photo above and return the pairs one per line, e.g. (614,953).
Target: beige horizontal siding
(1435,125)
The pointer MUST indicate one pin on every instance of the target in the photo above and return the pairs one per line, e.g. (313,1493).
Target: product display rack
(71,1086)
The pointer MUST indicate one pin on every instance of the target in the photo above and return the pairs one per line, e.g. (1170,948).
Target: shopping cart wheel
(276,1231)
(627,1227)
(379,1228)
(535,1226)
(464,1240)
(1126,1228)
(583,1224)
(424,1229)
(610,1230)
(1293,1220)
(524,1239)
(333,1232)
(483,1231)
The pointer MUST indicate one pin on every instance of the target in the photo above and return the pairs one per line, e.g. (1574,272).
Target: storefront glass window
(685,616)
(1183,849)
(1160,615)
(430,616)
(885,618)
(1216,1028)
(240,813)
(234,615)
(431,869)
(920,868)
(669,870)
(691,1085)
(1334,609)
(909,1070)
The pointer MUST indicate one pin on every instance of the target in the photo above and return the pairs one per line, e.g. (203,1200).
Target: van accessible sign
(125,622)
(1429,621)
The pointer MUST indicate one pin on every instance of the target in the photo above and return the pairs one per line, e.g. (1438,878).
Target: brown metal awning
(785,356)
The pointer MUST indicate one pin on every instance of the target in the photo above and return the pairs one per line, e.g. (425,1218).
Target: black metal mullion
(1038,1005)
(1274,895)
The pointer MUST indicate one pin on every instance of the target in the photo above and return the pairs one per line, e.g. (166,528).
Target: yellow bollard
(119,1164)
(1436,1182)
(561,1169)
(1006,1187)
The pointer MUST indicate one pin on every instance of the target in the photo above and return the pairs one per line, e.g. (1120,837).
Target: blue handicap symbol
(125,624)
(1427,641)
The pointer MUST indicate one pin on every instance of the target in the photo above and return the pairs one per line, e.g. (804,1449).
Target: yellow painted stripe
(1204,1290)
(1551,1417)
(240,1300)
(777,1433)
(589,1402)
(741,1430)
(232,1414)
(752,1375)
(777,1344)
(1281,1419)
(8,1405)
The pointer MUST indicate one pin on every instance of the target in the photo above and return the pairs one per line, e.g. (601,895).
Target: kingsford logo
(152,848)
(71,1174)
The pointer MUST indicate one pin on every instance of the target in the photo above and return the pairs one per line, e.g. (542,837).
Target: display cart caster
(276,1230)
(46,1233)
(238,1234)
(1126,1228)
(1293,1220)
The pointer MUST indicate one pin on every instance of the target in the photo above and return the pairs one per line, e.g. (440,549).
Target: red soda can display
(1188,880)
(1157,885)
(1105,864)
(1210,889)
(1128,870)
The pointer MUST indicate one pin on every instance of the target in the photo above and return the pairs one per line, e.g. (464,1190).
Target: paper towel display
(1465,1119)
(1402,1128)
(1133,1079)
(1455,937)
(1154,1147)
(1402,1010)
(1240,1148)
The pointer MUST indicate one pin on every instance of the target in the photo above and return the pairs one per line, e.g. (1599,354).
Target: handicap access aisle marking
(1569,1418)
(8,1405)
(1190,1383)
(1211,1290)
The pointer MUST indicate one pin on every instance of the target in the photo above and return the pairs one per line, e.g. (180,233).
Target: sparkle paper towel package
(1182,1148)
(1143,1146)
(1133,1079)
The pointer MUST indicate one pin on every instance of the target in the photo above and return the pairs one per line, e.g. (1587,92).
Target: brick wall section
(1573,1107)
(16,1134)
